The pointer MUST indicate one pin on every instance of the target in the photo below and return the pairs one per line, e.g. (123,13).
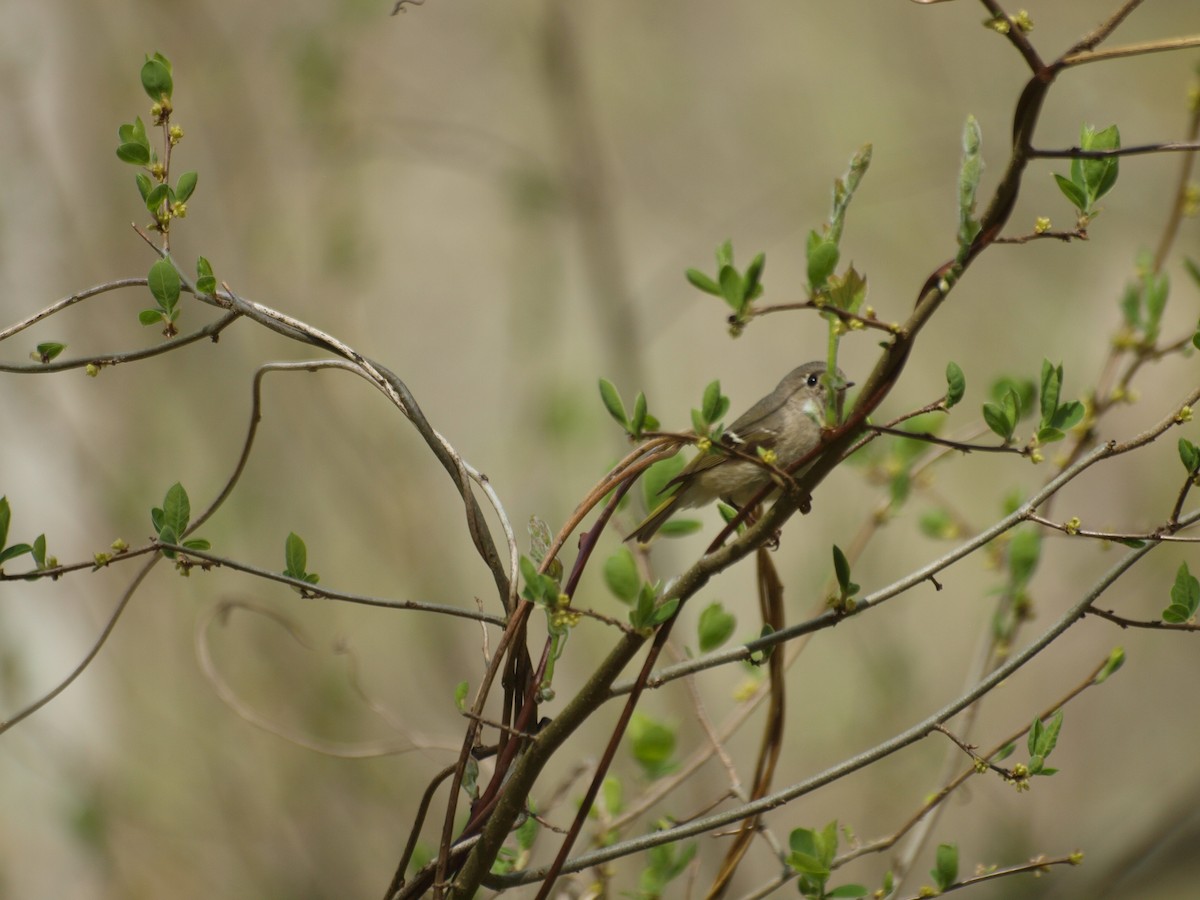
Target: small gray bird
(787,421)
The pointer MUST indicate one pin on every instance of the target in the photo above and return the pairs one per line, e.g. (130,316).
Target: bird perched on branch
(786,424)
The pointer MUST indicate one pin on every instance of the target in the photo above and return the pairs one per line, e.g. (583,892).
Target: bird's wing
(744,440)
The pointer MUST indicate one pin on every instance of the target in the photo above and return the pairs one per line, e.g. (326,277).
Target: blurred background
(498,202)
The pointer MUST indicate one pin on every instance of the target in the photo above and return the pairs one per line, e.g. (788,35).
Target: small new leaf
(638,424)
(158,195)
(612,402)
(956,384)
(945,870)
(1189,455)
(176,509)
(1072,192)
(715,627)
(714,405)
(185,186)
(1185,597)
(48,350)
(753,287)
(1051,387)
(621,575)
(702,282)
(733,289)
(1099,175)
(164,283)
(997,420)
(295,556)
(1116,659)
(156,79)
(206,283)
(841,567)
(823,258)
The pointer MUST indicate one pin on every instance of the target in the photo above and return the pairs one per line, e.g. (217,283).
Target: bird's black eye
(814,380)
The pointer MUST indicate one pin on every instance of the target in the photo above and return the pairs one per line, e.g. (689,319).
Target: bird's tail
(654,521)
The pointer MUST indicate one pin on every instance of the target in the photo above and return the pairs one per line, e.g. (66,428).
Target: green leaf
(664,611)
(1156,288)
(847,291)
(956,384)
(847,890)
(715,627)
(823,258)
(526,832)
(1072,192)
(134,133)
(658,476)
(5,519)
(143,184)
(612,402)
(1023,389)
(1024,551)
(460,695)
(652,743)
(13,551)
(1068,415)
(1099,175)
(185,186)
(135,154)
(998,421)
(150,316)
(699,280)
(621,575)
(1051,388)
(176,509)
(732,287)
(1185,597)
(1189,455)
(295,556)
(754,272)
(197,544)
(710,405)
(156,79)
(1049,435)
(643,610)
(158,195)
(206,283)
(48,350)
(1131,306)
(613,795)
(680,527)
(945,870)
(168,535)
(938,524)
(164,283)
(638,424)
(841,567)
(1116,659)
(38,551)
(1044,736)
(725,254)
(1003,753)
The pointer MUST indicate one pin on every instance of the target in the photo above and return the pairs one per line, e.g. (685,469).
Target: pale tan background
(399,183)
